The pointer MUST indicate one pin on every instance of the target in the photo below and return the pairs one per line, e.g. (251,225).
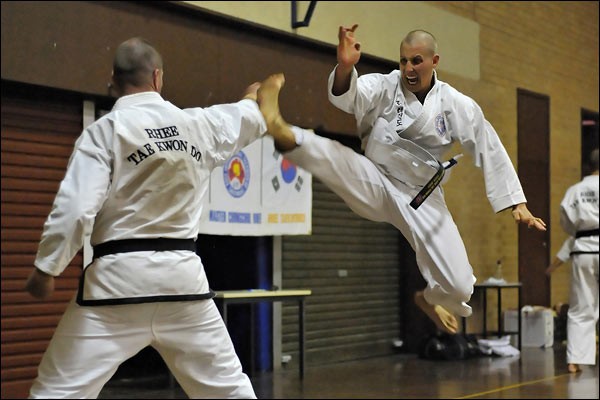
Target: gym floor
(537,374)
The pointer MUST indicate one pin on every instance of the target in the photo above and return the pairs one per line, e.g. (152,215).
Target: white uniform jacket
(579,218)
(564,254)
(579,213)
(141,172)
(446,116)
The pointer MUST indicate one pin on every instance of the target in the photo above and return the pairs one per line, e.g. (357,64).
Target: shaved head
(421,36)
(135,61)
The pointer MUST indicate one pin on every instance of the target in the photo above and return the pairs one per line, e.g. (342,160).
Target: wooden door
(533,124)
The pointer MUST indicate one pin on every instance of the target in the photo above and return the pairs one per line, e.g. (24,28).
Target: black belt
(583,252)
(435,180)
(130,245)
(591,232)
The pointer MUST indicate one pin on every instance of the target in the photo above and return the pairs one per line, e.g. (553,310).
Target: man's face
(416,66)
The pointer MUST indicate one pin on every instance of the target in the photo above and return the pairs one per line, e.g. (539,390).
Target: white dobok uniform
(579,218)
(386,112)
(141,172)
(564,253)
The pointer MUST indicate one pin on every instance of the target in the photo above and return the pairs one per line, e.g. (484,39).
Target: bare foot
(442,318)
(251,91)
(573,368)
(268,102)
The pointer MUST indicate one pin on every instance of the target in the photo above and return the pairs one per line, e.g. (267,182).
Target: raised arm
(348,54)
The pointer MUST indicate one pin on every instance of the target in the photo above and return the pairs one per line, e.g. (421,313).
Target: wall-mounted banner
(257,192)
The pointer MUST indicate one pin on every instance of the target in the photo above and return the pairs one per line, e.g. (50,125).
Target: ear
(113,88)
(157,79)
(436,60)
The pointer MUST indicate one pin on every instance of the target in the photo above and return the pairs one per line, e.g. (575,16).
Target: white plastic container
(537,324)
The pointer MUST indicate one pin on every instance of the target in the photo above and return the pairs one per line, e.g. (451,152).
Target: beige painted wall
(381,26)
(488,50)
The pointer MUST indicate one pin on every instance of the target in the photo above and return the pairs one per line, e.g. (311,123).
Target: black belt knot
(131,245)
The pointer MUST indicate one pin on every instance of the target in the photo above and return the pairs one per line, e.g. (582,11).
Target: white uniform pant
(430,230)
(582,316)
(90,343)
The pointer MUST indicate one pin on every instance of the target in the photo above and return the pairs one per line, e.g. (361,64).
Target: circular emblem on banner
(288,171)
(236,174)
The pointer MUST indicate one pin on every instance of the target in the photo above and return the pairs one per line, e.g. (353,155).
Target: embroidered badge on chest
(440,125)
(400,111)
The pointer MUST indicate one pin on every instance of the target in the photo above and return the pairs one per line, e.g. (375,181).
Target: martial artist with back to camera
(136,181)
(579,219)
(403,117)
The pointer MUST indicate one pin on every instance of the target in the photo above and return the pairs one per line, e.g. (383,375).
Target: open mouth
(412,80)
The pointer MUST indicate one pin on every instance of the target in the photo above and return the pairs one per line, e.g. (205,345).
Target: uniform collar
(137,98)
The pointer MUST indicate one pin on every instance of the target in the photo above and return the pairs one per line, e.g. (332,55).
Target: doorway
(533,132)
(589,137)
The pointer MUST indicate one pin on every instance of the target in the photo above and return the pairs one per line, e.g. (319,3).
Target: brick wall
(546,47)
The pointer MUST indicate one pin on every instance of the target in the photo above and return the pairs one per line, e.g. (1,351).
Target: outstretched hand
(522,215)
(348,50)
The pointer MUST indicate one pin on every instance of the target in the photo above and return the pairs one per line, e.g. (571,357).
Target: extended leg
(268,100)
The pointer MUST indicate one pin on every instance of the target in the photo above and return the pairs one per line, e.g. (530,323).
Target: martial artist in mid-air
(405,119)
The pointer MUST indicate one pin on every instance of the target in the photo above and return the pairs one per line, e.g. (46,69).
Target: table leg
(484,312)
(519,327)
(301,335)
(499,311)
(223,308)
(252,334)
